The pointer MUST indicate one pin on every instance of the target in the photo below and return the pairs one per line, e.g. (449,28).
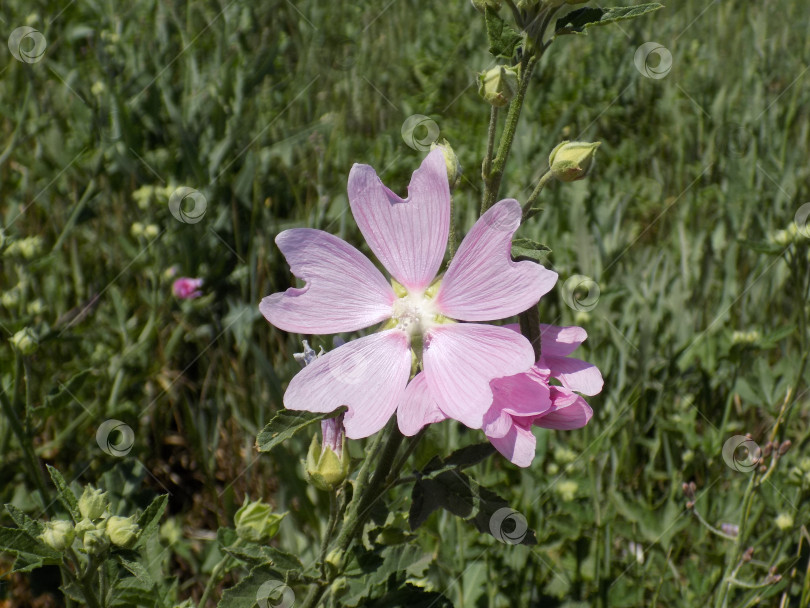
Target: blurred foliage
(263,108)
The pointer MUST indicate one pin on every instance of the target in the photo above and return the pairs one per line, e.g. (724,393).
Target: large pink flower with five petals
(345,292)
(524,400)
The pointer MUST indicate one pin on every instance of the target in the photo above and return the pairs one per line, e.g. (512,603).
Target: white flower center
(415,314)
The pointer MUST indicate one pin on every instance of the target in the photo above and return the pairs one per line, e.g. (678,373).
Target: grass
(263,108)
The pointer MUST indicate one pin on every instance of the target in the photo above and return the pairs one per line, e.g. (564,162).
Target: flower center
(414,314)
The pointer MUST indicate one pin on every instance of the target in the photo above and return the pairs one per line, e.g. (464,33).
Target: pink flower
(525,399)
(186,288)
(345,292)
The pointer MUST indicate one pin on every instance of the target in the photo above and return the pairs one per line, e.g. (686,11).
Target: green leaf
(576,22)
(410,596)
(150,518)
(502,38)
(30,552)
(457,493)
(255,554)
(66,495)
(527,249)
(137,570)
(287,423)
(255,588)
(60,396)
(31,526)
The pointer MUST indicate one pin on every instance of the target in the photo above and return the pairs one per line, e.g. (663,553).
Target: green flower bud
(784,521)
(498,85)
(25,341)
(481,5)
(571,160)
(96,541)
(123,531)
(327,466)
(451,160)
(255,521)
(93,503)
(27,248)
(58,534)
(83,527)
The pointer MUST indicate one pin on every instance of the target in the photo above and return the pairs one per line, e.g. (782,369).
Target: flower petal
(460,360)
(368,375)
(408,236)
(418,408)
(568,413)
(518,445)
(483,283)
(560,341)
(525,394)
(574,374)
(344,291)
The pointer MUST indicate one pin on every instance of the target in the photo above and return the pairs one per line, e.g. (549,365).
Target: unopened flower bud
(96,541)
(256,521)
(83,527)
(784,521)
(498,85)
(58,534)
(93,503)
(748,555)
(481,5)
(327,465)
(451,160)
(123,531)
(25,341)
(571,160)
(783,449)
(766,451)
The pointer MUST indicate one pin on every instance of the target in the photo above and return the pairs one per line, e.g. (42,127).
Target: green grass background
(263,107)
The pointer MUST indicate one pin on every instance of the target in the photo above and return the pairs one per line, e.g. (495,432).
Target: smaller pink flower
(186,288)
(523,400)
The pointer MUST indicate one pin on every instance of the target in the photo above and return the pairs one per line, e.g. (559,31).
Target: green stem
(492,181)
(214,578)
(486,166)
(12,412)
(732,565)
(527,208)
(530,327)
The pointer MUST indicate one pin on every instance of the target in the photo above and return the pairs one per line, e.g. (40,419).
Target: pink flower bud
(185,288)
